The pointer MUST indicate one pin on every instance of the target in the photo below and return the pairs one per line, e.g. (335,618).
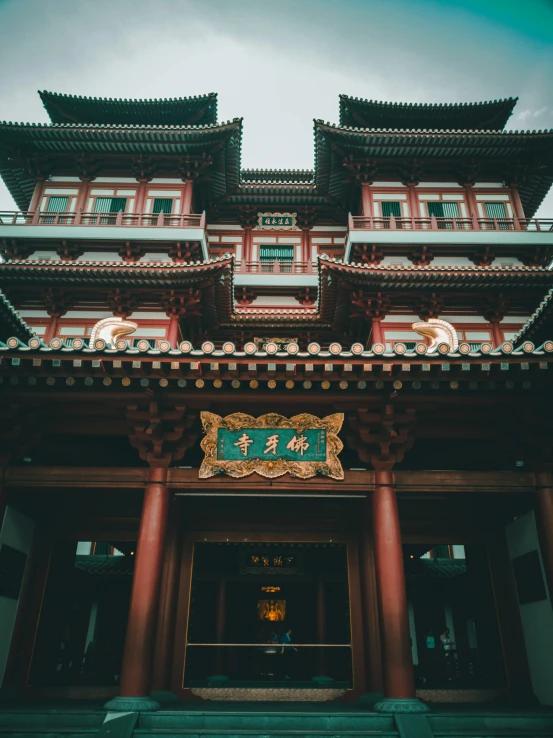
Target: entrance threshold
(275,691)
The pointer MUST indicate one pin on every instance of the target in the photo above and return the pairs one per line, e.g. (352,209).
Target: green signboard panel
(269,444)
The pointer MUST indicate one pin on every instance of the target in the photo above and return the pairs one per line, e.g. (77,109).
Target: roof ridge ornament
(111,329)
(439,332)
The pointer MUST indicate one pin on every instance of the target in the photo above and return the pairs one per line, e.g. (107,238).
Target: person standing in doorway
(287,653)
(429,657)
(449,653)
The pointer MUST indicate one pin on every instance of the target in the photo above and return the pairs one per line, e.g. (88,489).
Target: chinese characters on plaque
(276,221)
(271,445)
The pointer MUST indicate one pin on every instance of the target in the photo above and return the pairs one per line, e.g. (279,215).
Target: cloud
(277,64)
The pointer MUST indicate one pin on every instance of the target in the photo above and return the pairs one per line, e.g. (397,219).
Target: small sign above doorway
(271,445)
(277,221)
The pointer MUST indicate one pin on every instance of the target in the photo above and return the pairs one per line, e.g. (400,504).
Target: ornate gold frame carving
(211,465)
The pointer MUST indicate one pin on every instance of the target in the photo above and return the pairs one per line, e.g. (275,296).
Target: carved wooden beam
(382,437)
(160,435)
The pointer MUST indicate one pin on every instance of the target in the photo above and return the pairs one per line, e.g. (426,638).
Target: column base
(132,704)
(162,696)
(370,698)
(392,704)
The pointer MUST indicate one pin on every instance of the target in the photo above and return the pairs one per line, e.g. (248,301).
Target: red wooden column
(497,336)
(187,199)
(140,197)
(165,630)
(399,684)
(376,333)
(173,331)
(366,200)
(136,671)
(517,204)
(37,196)
(472,204)
(544,521)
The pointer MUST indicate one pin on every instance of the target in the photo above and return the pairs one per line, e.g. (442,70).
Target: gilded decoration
(111,329)
(271,445)
(256,694)
(277,221)
(439,332)
(281,343)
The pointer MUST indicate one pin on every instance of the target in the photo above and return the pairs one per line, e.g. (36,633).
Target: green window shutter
(451,209)
(391,208)
(162,205)
(495,210)
(118,204)
(110,204)
(57,204)
(443,209)
(436,209)
(272,253)
(102,205)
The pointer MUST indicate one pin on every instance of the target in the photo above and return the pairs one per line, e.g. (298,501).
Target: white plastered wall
(17,531)
(536,617)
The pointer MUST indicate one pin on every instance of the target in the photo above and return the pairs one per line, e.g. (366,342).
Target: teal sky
(279,63)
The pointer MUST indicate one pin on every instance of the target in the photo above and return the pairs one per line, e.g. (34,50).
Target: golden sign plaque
(271,445)
(277,221)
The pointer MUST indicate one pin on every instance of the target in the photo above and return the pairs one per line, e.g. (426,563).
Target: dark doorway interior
(455,634)
(249,596)
(83,620)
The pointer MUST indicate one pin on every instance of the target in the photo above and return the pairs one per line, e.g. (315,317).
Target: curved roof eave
(490,115)
(199,110)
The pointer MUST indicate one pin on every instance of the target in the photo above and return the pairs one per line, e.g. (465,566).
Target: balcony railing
(133,220)
(276,267)
(359,223)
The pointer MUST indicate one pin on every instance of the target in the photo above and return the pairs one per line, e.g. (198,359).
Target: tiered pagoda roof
(338,281)
(434,141)
(175,111)
(212,281)
(278,176)
(481,116)
(27,148)
(436,151)
(540,324)
(11,323)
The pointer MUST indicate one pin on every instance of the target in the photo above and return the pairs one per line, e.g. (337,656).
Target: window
(443,210)
(391,208)
(110,205)
(497,211)
(163,205)
(56,204)
(268,255)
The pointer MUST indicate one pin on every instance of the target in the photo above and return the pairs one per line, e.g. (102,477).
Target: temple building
(276,435)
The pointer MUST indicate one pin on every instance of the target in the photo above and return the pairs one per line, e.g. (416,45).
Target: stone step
(200,733)
(487,725)
(267,722)
(45,720)
(48,733)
